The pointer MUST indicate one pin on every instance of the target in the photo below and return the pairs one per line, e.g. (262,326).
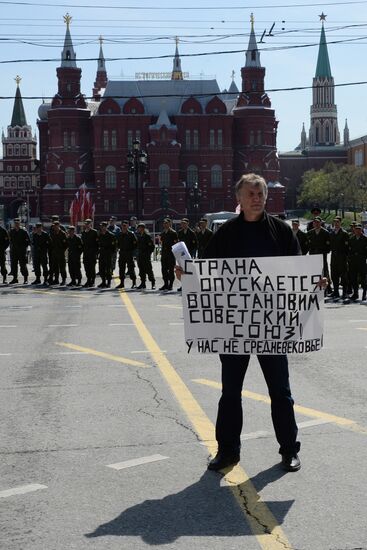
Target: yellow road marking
(116,358)
(262,522)
(306,411)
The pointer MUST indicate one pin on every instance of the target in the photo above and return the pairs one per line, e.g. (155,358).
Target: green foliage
(335,187)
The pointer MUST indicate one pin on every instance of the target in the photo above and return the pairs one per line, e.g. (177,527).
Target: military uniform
(90,251)
(339,242)
(126,244)
(41,245)
(4,243)
(58,246)
(19,241)
(107,246)
(189,238)
(145,249)
(357,264)
(75,249)
(115,230)
(303,240)
(319,243)
(168,239)
(203,238)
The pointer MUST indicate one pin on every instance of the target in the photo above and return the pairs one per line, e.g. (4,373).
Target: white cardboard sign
(262,306)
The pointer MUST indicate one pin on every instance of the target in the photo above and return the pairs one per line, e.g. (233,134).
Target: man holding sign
(253,234)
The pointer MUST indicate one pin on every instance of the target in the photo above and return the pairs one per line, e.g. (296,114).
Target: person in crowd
(115,230)
(4,243)
(145,249)
(203,236)
(318,240)
(339,245)
(126,244)
(107,246)
(168,238)
(41,246)
(75,250)
(316,212)
(90,252)
(357,262)
(58,247)
(301,236)
(19,242)
(187,235)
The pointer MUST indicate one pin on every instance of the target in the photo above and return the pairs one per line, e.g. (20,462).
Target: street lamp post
(137,162)
(195,196)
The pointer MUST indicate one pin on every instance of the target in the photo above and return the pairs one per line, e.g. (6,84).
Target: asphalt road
(106,427)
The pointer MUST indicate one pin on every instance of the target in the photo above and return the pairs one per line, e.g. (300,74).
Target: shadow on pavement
(202,509)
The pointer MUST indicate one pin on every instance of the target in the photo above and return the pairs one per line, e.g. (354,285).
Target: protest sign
(262,306)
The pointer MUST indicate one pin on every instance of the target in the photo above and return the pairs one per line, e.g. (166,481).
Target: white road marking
(62,325)
(262,433)
(120,324)
(116,305)
(22,490)
(8,326)
(136,462)
(170,306)
(357,321)
(3,354)
(176,324)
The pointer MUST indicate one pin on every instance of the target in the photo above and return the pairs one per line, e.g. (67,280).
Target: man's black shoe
(164,287)
(36,282)
(291,463)
(86,285)
(13,282)
(121,285)
(141,286)
(224,459)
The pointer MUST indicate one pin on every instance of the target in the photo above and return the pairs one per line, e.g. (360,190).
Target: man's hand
(179,272)
(323,282)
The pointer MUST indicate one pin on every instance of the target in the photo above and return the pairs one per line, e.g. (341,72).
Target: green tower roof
(18,118)
(323,63)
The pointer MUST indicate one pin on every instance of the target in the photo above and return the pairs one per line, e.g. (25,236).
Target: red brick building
(19,167)
(191,131)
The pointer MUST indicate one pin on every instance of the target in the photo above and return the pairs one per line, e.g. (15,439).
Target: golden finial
(67,19)
(17,79)
(252,19)
(233,73)
(100,40)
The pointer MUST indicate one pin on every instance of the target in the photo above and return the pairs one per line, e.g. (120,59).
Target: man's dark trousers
(230,419)
(40,260)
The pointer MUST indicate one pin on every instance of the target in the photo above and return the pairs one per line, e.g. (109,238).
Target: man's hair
(252,180)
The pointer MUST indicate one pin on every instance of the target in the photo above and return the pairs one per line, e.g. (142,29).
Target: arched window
(216,176)
(192,175)
(10,150)
(110,177)
(66,139)
(317,134)
(69,177)
(24,149)
(113,140)
(252,137)
(16,150)
(327,133)
(105,141)
(164,175)
(259,137)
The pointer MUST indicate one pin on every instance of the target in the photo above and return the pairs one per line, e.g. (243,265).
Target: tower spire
(252,54)
(18,118)
(68,55)
(177,71)
(323,64)
(101,76)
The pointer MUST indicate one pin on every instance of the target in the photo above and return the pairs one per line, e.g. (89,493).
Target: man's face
(38,230)
(87,226)
(103,229)
(252,200)
(295,226)
(71,232)
(56,227)
(358,231)
(141,229)
(316,224)
(17,225)
(112,221)
(166,225)
(124,227)
(337,224)
(184,225)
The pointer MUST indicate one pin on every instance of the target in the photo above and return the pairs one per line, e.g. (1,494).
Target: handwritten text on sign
(263,306)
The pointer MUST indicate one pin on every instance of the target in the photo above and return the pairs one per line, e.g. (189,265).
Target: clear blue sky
(36,31)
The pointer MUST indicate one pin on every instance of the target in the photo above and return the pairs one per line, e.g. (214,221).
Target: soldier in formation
(145,248)
(41,245)
(126,245)
(168,238)
(19,242)
(203,236)
(106,246)
(4,243)
(75,249)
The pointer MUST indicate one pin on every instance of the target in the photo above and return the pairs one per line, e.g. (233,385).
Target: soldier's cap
(185,220)
(124,222)
(358,226)
(71,227)
(55,217)
(112,217)
(17,220)
(166,220)
(133,218)
(337,218)
(315,209)
(295,221)
(353,224)
(56,222)
(141,224)
(317,219)
(88,220)
(103,224)
(203,220)
(38,224)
